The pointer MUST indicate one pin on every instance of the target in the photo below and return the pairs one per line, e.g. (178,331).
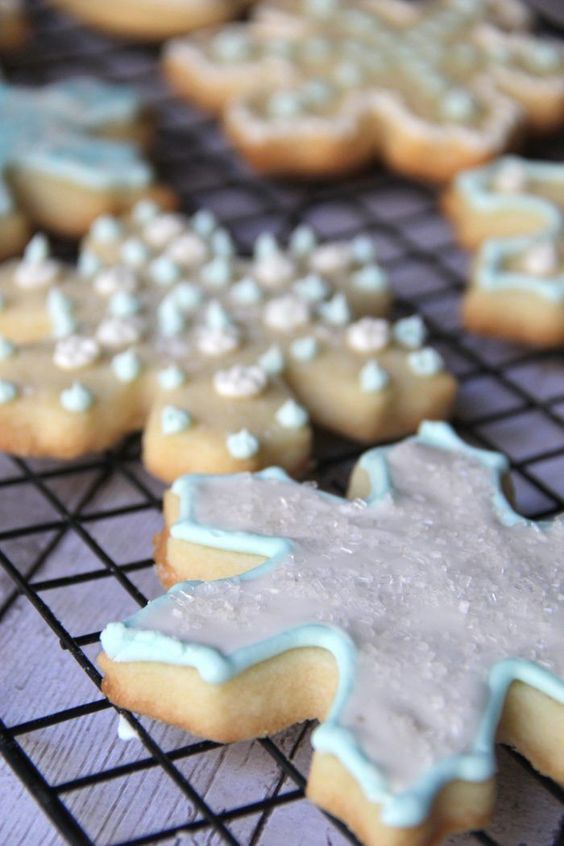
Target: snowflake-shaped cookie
(152,20)
(221,359)
(512,212)
(13,25)
(57,169)
(318,87)
(403,620)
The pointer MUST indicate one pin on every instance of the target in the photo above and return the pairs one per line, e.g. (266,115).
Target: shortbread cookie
(68,153)
(512,213)
(222,360)
(152,20)
(417,624)
(13,24)
(319,87)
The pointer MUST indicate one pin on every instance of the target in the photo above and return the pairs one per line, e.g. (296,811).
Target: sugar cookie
(13,24)
(511,213)
(220,359)
(68,153)
(418,624)
(152,20)
(320,87)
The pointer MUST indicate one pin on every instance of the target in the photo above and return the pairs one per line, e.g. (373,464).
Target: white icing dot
(162,229)
(312,288)
(114,279)
(369,334)
(105,229)
(274,270)
(188,250)
(331,258)
(246,292)
(510,176)
(212,341)
(133,252)
(36,269)
(242,445)
(145,211)
(541,259)
(286,313)
(240,381)
(75,352)
(117,332)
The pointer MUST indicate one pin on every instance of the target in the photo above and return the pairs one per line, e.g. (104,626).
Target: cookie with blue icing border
(511,214)
(318,88)
(220,359)
(151,20)
(69,152)
(419,624)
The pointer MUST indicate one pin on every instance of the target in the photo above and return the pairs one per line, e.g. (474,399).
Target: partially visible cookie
(13,25)
(152,20)
(418,624)
(320,88)
(511,213)
(221,360)
(68,153)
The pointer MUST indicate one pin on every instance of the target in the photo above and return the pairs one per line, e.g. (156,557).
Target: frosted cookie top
(448,66)
(432,594)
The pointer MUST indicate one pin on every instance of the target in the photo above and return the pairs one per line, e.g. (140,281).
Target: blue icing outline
(123,642)
(55,129)
(476,189)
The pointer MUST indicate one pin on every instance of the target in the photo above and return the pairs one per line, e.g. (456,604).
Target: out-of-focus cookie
(151,20)
(13,25)
(221,360)
(512,213)
(68,153)
(320,87)
(418,624)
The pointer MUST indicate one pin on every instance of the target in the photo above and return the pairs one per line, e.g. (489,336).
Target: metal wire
(417,248)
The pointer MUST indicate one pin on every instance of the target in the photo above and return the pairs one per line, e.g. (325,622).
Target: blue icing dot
(7,348)
(170,317)
(204,223)
(8,391)
(163,271)
(88,263)
(76,399)
(370,278)
(37,250)
(425,362)
(144,211)
(171,377)
(174,420)
(283,104)
(336,311)
(304,349)
(106,229)
(544,56)
(410,332)
(302,241)
(266,245)
(311,288)
(60,309)
(242,445)
(363,249)
(127,366)
(222,244)
(458,105)
(217,317)
(272,361)
(217,272)
(134,252)
(231,46)
(124,304)
(246,291)
(187,296)
(373,378)
(291,415)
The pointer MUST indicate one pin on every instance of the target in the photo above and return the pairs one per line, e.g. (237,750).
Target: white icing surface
(430,585)
(369,334)
(75,352)
(240,381)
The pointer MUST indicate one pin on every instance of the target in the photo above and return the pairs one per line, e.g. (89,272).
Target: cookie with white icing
(221,360)
(511,213)
(152,20)
(13,24)
(321,87)
(417,624)
(69,152)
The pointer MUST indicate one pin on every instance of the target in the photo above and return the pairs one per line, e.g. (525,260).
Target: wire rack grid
(75,538)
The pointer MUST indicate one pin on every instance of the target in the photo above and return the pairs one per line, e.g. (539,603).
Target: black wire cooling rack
(62,524)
